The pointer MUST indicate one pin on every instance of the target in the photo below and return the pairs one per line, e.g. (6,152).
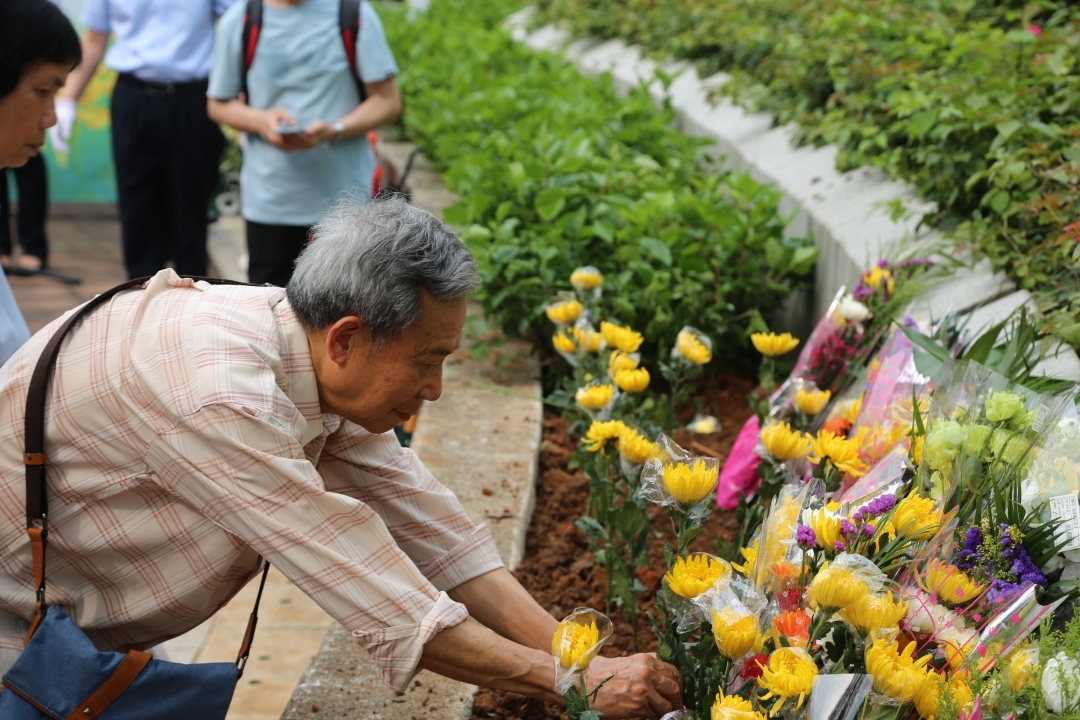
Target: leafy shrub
(555,171)
(976,104)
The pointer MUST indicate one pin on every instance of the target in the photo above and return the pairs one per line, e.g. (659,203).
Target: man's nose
(432,391)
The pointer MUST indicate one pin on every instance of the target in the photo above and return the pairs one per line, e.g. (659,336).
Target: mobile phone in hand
(284,128)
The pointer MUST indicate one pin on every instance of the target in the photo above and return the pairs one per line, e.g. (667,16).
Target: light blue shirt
(158,40)
(300,65)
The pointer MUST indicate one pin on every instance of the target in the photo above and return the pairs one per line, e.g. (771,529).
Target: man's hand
(268,129)
(640,686)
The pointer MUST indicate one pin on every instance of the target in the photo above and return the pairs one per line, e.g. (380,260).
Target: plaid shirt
(184,439)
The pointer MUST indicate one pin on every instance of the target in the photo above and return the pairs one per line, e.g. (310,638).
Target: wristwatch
(339,128)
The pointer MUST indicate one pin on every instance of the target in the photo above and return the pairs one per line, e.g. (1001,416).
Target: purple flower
(839,546)
(877,506)
(847,528)
(868,531)
(805,537)
(858,516)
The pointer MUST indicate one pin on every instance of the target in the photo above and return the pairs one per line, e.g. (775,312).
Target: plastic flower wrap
(789,675)
(735,607)
(587,281)
(564,311)
(692,346)
(673,477)
(621,338)
(886,476)
(776,564)
(1061,683)
(596,399)
(887,400)
(576,642)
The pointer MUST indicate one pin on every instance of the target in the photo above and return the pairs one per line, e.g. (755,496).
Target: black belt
(166,88)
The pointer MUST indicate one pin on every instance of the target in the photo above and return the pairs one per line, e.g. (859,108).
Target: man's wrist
(339,131)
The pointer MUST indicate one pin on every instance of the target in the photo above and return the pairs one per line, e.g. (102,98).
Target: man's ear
(346,338)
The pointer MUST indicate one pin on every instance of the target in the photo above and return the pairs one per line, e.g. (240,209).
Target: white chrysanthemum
(927,617)
(1061,684)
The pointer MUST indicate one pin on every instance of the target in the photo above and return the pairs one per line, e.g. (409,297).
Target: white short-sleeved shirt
(300,65)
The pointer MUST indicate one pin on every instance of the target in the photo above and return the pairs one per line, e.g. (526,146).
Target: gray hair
(371,259)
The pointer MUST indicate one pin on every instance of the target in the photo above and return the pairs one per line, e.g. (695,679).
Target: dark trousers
(167,153)
(272,251)
(33,183)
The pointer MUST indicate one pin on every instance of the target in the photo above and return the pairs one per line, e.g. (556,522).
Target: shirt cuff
(472,557)
(397,649)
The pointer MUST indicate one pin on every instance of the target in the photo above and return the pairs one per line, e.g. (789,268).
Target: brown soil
(558,568)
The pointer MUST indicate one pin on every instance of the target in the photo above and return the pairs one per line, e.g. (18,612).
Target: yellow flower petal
(773,345)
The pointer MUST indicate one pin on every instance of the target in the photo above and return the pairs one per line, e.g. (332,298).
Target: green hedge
(977,104)
(556,171)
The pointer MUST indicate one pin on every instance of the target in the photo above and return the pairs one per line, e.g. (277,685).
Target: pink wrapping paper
(739,475)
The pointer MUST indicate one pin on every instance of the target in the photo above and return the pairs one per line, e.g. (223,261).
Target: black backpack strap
(349,22)
(37,499)
(249,40)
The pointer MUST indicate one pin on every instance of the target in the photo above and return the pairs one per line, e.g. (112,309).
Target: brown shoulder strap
(37,501)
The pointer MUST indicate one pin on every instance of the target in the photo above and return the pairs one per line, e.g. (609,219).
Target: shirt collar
(301,385)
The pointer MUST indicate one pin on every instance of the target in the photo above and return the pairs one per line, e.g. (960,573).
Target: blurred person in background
(38,48)
(165,149)
(33,186)
(306,97)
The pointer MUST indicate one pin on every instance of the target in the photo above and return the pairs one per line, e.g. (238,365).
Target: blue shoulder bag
(60,674)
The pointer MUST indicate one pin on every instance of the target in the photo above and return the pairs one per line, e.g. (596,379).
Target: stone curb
(847,214)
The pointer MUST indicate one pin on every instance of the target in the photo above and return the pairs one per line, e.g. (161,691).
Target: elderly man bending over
(192,428)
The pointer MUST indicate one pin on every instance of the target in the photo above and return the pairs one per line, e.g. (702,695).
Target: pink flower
(1034,30)
(976,711)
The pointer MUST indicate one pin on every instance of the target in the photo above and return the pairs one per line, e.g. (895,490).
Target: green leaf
(549,203)
(921,123)
(999,201)
(1070,334)
(1008,128)
(590,528)
(657,249)
(804,259)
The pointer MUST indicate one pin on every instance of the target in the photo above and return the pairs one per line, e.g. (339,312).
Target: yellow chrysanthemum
(621,338)
(692,348)
(875,612)
(877,277)
(564,313)
(586,278)
(563,342)
(876,442)
(789,673)
(811,402)
(783,443)
(1022,668)
(950,583)
(704,425)
(916,518)
(749,555)
(692,575)
(632,381)
(621,361)
(735,634)
(826,526)
(896,674)
(733,707)
(574,645)
(594,397)
(841,452)
(588,340)
(688,483)
(773,345)
(601,433)
(934,686)
(851,409)
(835,588)
(917,449)
(634,446)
